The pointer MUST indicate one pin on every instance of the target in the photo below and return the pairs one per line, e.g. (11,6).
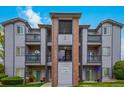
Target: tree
(119,70)
(1,43)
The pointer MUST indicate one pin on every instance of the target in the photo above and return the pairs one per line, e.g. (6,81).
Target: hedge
(11,80)
(119,70)
(2,75)
(1,68)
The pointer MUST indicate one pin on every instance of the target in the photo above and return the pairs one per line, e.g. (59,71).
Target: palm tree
(1,43)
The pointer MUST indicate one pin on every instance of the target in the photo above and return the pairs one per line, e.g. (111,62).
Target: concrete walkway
(48,84)
(65,85)
(33,82)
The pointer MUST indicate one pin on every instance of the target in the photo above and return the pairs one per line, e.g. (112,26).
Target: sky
(90,15)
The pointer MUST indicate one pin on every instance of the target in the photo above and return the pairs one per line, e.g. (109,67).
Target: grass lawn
(22,85)
(102,84)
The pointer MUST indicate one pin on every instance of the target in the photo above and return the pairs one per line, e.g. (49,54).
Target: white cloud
(31,16)
(47,19)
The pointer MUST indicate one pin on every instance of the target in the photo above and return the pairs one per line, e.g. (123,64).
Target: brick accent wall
(54,51)
(75,51)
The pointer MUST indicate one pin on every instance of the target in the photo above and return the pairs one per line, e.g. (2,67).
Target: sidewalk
(48,84)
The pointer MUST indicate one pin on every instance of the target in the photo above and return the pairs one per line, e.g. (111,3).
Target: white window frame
(106,52)
(20,72)
(21,28)
(108,30)
(21,51)
(106,71)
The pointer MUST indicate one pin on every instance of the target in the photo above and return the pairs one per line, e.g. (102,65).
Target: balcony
(49,59)
(94,38)
(65,58)
(94,59)
(33,38)
(65,39)
(32,58)
(49,39)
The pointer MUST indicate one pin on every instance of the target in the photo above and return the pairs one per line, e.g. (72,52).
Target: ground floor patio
(41,73)
(91,73)
(87,74)
(38,74)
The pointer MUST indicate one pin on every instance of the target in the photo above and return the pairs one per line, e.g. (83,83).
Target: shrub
(11,80)
(31,78)
(2,75)
(1,68)
(119,70)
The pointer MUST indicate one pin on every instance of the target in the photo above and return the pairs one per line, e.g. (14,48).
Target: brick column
(75,50)
(54,51)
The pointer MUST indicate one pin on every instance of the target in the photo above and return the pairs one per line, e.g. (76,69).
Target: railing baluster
(33,37)
(94,58)
(94,38)
(30,58)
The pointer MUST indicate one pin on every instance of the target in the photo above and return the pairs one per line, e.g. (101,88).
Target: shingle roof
(110,21)
(15,20)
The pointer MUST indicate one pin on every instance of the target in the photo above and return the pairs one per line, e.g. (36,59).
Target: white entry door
(64,73)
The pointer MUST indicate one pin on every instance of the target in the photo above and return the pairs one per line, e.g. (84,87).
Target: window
(49,54)
(65,26)
(65,53)
(20,30)
(20,51)
(20,72)
(106,51)
(107,30)
(106,72)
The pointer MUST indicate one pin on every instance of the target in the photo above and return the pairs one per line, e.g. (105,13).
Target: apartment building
(63,52)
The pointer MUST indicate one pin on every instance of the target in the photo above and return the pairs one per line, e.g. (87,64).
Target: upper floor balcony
(94,38)
(33,31)
(94,54)
(32,54)
(49,38)
(32,38)
(32,58)
(94,58)
(65,39)
(65,53)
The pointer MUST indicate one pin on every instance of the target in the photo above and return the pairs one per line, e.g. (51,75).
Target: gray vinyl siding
(116,44)
(83,74)
(84,46)
(107,60)
(43,46)
(9,58)
(19,42)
